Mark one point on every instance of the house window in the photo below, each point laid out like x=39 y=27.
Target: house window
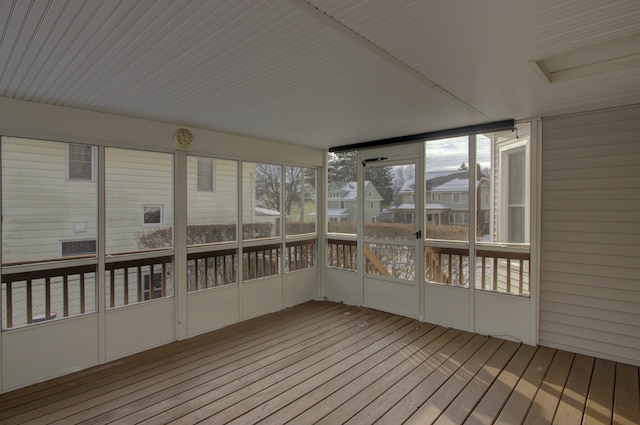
x=429 y=217
x=456 y=198
x=342 y=204
x=205 y=175
x=371 y=205
x=436 y=196
x=77 y=247
x=152 y=214
x=147 y=293
x=516 y=203
x=79 y=162
x=460 y=218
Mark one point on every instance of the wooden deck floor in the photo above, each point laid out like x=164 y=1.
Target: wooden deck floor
x=328 y=363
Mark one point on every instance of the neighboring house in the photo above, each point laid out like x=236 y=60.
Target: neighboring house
x=304 y=210
x=342 y=202
x=405 y=211
x=447 y=198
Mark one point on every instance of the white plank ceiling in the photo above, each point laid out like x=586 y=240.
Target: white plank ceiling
x=319 y=72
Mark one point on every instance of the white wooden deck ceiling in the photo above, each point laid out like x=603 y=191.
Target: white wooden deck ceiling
x=318 y=72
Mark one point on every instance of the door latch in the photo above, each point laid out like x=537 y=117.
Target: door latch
x=418 y=234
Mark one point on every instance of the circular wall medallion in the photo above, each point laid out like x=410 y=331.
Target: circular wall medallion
x=183 y=138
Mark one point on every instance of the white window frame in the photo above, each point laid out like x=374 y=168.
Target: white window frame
x=200 y=175
x=93 y=163
x=145 y=206
x=148 y=284
x=453 y=197
x=504 y=151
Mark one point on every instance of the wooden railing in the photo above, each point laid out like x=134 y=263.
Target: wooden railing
x=447 y=265
x=212 y=268
x=301 y=254
x=341 y=254
x=499 y=271
x=131 y=281
x=506 y=271
x=261 y=261
x=36 y=296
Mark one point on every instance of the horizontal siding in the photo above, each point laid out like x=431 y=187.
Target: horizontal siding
x=590 y=234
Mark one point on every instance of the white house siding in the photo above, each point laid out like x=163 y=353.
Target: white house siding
x=133 y=179
x=219 y=206
x=40 y=206
x=590 y=241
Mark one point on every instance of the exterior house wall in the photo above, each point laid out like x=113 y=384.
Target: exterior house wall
x=590 y=241
x=134 y=179
x=212 y=207
x=37 y=171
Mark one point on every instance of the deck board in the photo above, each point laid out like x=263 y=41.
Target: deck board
x=329 y=363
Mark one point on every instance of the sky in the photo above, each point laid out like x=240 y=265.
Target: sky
x=449 y=154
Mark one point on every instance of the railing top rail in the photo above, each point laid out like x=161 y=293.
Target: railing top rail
x=48 y=261
x=301 y=242
x=258 y=248
x=41 y=274
x=209 y=254
x=348 y=242
x=122 y=263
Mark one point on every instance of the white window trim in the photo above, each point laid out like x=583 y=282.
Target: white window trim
x=504 y=151
x=453 y=201
x=213 y=174
x=161 y=206
x=93 y=163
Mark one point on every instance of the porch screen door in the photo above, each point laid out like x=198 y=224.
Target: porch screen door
x=391 y=240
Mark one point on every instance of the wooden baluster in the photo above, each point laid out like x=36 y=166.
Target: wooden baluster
x=215 y=269
x=352 y=257
x=461 y=271
x=47 y=298
x=65 y=295
x=29 y=302
x=508 y=275
x=233 y=266
x=224 y=270
x=164 y=280
x=495 y=273
x=163 y=292
x=331 y=263
x=126 y=286
x=140 y=288
x=266 y=263
x=9 y=304
x=196 y=279
x=112 y=286
x=299 y=250
x=82 y=293
x=427 y=262
x=521 y=278
x=449 y=279
x=484 y=273
x=344 y=256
